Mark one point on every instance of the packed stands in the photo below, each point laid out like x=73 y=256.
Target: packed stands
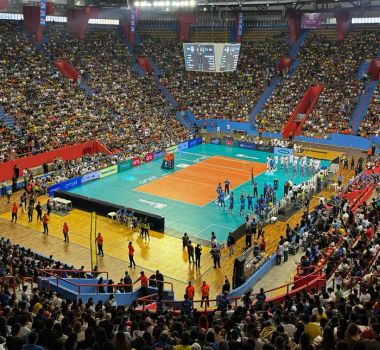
x=371 y=122
x=333 y=64
x=228 y=95
x=342 y=315
x=126 y=112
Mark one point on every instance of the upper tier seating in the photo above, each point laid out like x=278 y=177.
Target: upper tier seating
x=333 y=64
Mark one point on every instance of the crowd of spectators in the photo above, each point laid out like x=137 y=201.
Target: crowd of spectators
x=323 y=61
x=371 y=123
x=126 y=111
x=344 y=315
x=219 y=95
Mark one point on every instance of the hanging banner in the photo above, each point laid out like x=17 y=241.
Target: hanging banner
x=311 y=20
x=240 y=25
x=43 y=13
x=133 y=21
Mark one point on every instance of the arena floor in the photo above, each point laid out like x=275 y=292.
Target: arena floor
x=186 y=195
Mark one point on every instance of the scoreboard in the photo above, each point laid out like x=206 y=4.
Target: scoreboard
x=211 y=57
x=199 y=57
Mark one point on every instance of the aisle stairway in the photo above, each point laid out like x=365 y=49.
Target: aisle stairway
x=362 y=106
x=9 y=122
x=265 y=96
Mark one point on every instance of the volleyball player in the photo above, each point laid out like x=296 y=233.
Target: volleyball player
x=242 y=204
x=232 y=201
x=250 y=202
x=221 y=201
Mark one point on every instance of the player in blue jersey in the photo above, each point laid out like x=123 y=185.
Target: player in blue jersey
x=250 y=202
x=219 y=188
x=242 y=204
x=232 y=202
x=221 y=201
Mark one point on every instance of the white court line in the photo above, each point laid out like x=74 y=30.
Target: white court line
x=207 y=227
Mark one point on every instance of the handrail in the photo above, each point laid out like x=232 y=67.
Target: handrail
x=79 y=285
x=51 y=271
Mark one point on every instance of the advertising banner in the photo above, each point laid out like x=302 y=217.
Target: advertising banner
x=195 y=142
x=136 y=161
x=247 y=145
x=125 y=165
x=311 y=20
x=65 y=185
x=240 y=25
x=280 y=151
x=182 y=146
x=159 y=154
x=215 y=141
x=108 y=171
x=171 y=149
x=149 y=157
x=229 y=142
x=91 y=176
x=43 y=13
x=265 y=148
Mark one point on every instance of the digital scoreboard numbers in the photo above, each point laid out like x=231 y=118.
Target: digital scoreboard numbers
x=230 y=57
x=199 y=57
x=211 y=57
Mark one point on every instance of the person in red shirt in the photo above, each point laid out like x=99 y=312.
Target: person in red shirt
x=131 y=253
x=99 y=242
x=190 y=291
x=14 y=212
x=45 y=221
x=369 y=232
x=144 y=283
x=66 y=232
x=205 y=291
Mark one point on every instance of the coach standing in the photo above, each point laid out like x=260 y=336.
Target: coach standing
x=131 y=254
x=14 y=212
x=99 y=241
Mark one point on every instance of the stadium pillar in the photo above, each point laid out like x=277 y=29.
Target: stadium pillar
x=77 y=20
x=294 y=23
x=342 y=23
x=185 y=20
x=32 y=21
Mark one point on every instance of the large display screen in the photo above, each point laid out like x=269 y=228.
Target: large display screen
x=211 y=57
x=230 y=57
x=199 y=57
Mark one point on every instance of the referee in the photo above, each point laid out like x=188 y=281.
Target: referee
x=227 y=186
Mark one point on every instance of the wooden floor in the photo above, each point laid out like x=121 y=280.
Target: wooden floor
x=162 y=252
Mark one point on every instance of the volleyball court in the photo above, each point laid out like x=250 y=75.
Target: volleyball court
x=196 y=181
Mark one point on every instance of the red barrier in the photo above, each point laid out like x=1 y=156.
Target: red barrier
x=185 y=20
x=66 y=153
x=284 y=62
x=144 y=63
x=66 y=69
x=374 y=69
x=305 y=106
